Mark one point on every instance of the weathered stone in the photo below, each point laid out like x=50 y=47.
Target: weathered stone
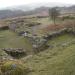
x=17 y=52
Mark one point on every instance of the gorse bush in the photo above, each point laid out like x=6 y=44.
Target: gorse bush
x=14 y=68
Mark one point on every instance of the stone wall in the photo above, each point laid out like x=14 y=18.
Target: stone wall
x=15 y=52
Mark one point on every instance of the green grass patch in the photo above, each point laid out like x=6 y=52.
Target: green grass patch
x=56 y=61
x=9 y=39
x=61 y=39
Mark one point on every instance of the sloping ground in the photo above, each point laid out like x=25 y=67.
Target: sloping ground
x=9 y=39
x=56 y=61
x=63 y=39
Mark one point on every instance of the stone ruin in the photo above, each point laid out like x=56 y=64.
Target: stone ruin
x=38 y=43
x=12 y=26
x=55 y=34
x=15 y=52
x=4 y=28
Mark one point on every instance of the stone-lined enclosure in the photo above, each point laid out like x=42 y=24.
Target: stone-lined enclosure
x=38 y=43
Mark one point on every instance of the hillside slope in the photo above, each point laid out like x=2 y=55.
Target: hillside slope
x=35 y=9
x=56 y=61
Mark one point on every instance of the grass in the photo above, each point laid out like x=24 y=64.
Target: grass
x=9 y=39
x=61 y=39
x=56 y=61
x=14 y=68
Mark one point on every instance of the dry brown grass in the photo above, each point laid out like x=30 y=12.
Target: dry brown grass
x=59 y=26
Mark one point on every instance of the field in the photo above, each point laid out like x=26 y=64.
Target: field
x=57 y=59
x=9 y=39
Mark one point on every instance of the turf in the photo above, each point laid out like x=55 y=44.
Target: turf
x=61 y=39
x=53 y=61
x=9 y=39
x=56 y=61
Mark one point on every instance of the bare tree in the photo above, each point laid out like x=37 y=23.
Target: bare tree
x=53 y=13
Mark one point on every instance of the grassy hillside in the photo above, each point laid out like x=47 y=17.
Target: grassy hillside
x=56 y=61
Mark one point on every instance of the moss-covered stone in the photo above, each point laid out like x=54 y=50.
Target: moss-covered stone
x=14 y=68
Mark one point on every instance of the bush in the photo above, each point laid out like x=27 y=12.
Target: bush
x=14 y=68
